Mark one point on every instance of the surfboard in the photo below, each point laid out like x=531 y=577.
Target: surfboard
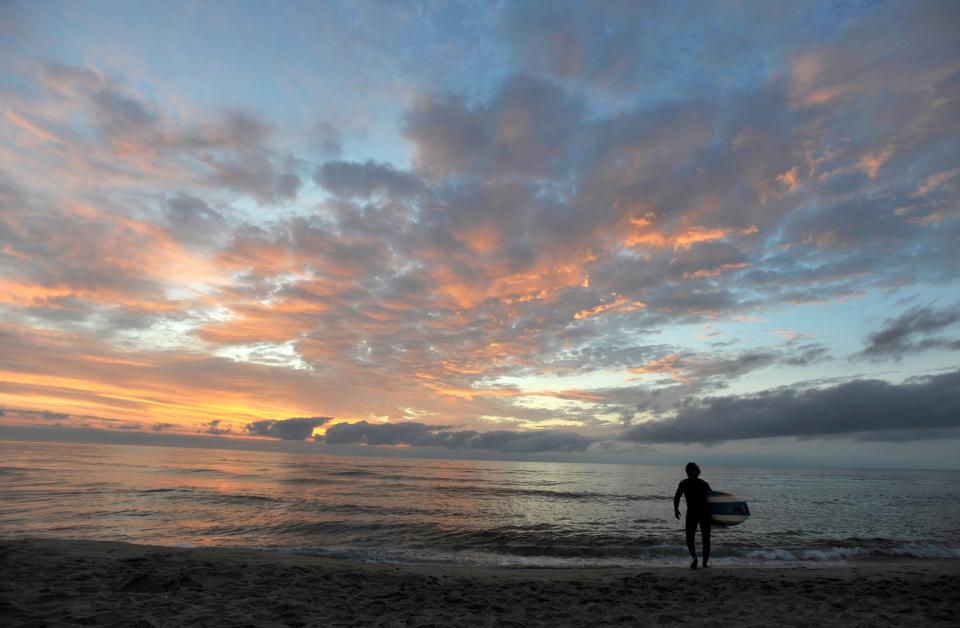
x=726 y=509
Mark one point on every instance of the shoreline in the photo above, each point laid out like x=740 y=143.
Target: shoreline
x=104 y=583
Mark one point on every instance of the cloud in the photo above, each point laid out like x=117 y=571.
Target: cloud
x=888 y=411
x=904 y=334
x=626 y=50
x=379 y=433
x=602 y=46
x=528 y=128
x=705 y=371
x=420 y=435
x=561 y=217
x=44 y=415
x=253 y=172
x=326 y=138
x=213 y=427
x=110 y=131
x=806 y=354
x=299 y=428
x=363 y=180
x=191 y=219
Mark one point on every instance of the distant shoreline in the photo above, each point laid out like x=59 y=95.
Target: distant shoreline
x=102 y=583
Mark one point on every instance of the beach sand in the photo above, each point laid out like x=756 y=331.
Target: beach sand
x=60 y=583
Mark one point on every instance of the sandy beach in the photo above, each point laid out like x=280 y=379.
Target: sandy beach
x=59 y=583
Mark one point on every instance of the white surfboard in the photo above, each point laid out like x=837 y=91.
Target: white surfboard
x=726 y=509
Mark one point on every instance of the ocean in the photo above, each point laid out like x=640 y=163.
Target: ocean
x=514 y=514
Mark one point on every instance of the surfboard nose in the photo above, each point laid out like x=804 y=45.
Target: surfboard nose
x=726 y=509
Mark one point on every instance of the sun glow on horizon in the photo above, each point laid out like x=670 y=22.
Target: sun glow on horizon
x=508 y=217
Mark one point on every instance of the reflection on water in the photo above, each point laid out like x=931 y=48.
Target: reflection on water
x=518 y=513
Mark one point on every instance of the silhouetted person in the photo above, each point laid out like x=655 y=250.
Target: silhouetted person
x=695 y=490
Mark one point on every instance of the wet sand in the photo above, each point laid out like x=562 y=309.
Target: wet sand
x=62 y=583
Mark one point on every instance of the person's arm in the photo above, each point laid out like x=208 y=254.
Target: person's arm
x=676 y=500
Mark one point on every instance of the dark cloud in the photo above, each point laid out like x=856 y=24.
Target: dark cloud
x=889 y=411
x=37 y=414
x=160 y=427
x=255 y=173
x=299 y=428
x=117 y=115
x=806 y=354
x=363 y=180
x=379 y=433
x=528 y=128
x=191 y=219
x=213 y=427
x=46 y=415
x=905 y=333
x=120 y=116
x=421 y=435
x=735 y=366
x=58 y=418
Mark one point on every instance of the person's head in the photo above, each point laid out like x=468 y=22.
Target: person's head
x=693 y=471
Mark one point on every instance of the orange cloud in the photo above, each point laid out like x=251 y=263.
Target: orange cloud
x=570 y=394
x=495 y=281
x=511 y=392
x=871 y=163
x=646 y=235
x=672 y=365
x=31 y=128
x=789 y=179
x=620 y=304
x=715 y=271
x=806 y=80
x=481 y=239
x=934 y=182
x=24 y=294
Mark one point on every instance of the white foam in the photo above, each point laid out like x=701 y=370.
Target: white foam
x=927 y=550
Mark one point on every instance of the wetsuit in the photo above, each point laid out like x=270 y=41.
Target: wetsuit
x=695 y=491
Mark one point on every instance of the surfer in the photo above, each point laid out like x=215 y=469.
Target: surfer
x=695 y=490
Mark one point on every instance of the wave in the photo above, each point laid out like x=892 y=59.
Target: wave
x=840 y=553
x=658 y=555
x=592 y=496
x=457 y=487
x=306 y=480
x=196 y=470
x=298 y=504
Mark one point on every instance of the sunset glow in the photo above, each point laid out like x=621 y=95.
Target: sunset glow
x=409 y=213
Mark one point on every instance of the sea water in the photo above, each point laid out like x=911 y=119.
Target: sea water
x=520 y=514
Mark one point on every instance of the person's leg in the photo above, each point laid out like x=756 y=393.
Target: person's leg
x=691 y=537
x=705 y=533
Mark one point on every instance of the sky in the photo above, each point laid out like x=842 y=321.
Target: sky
x=626 y=231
